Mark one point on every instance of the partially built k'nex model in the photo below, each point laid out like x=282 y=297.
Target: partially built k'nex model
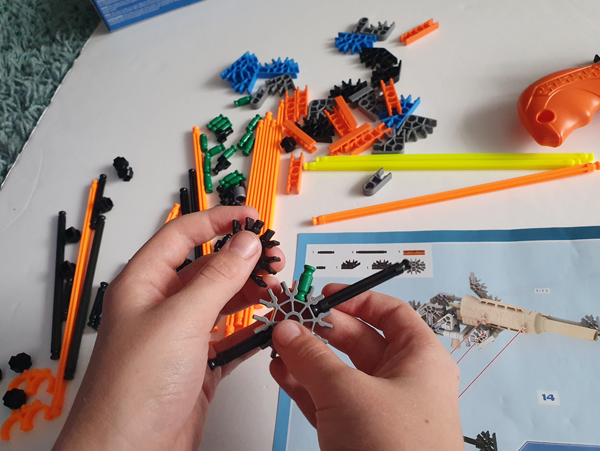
x=479 y=321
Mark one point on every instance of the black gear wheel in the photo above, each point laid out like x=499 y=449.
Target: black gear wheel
x=264 y=262
x=347 y=89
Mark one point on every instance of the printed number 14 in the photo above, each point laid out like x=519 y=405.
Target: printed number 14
x=548 y=397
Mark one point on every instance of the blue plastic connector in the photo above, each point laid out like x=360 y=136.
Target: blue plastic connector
x=354 y=42
x=278 y=67
x=242 y=74
x=408 y=108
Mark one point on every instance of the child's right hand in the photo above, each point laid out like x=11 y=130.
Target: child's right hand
x=403 y=394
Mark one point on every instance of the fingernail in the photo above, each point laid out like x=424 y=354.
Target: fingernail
x=245 y=244
x=286 y=332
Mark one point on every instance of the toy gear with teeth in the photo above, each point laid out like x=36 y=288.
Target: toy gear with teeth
x=292 y=308
x=264 y=262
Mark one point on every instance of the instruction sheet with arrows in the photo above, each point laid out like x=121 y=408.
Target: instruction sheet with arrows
x=541 y=392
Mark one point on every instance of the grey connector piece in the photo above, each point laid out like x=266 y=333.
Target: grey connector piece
x=281 y=84
x=316 y=108
x=371 y=104
x=358 y=95
x=416 y=127
x=382 y=30
x=239 y=194
x=376 y=182
x=259 y=98
x=390 y=144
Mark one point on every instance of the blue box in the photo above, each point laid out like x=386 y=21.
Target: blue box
x=120 y=13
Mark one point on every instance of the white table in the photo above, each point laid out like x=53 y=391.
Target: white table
x=138 y=92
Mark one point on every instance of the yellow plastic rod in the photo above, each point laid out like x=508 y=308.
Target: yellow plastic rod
x=584 y=157
x=458 y=193
x=442 y=165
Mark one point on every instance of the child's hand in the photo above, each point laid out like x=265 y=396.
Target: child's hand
x=403 y=394
x=148 y=385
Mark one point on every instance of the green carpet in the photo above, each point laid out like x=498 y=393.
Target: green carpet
x=39 y=41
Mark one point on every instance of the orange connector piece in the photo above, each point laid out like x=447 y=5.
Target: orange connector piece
x=174 y=213
x=358 y=141
x=418 y=32
x=25 y=416
x=296 y=107
x=391 y=98
x=301 y=138
x=342 y=119
x=295 y=173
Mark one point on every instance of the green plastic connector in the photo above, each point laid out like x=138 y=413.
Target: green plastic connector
x=244 y=139
x=231 y=180
x=203 y=143
x=220 y=123
x=216 y=150
x=305 y=282
x=206 y=164
x=229 y=152
x=208 y=182
x=248 y=147
x=253 y=123
x=211 y=124
x=243 y=101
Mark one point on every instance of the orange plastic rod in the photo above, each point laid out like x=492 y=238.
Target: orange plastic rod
x=558 y=104
x=174 y=212
x=295 y=173
x=202 y=202
x=418 y=32
x=458 y=193
x=303 y=139
x=82 y=260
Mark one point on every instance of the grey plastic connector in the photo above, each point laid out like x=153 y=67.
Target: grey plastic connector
x=316 y=108
x=376 y=182
x=259 y=98
x=281 y=84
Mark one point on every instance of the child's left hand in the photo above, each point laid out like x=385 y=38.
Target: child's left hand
x=148 y=385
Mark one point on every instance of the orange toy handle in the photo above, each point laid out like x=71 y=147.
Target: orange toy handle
x=458 y=193
x=556 y=105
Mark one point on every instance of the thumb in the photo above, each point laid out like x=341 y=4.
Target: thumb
x=310 y=361
x=222 y=276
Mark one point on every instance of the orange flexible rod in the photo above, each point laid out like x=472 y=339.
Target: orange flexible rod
x=82 y=261
x=202 y=202
x=174 y=212
x=458 y=193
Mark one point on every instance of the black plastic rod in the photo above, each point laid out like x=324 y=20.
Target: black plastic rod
x=184 y=201
x=84 y=304
x=97 y=201
x=258 y=340
x=59 y=286
x=359 y=287
x=263 y=338
x=194 y=207
x=96 y=313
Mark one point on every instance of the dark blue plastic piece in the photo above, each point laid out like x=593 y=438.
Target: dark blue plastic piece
x=354 y=42
x=408 y=108
x=243 y=73
x=278 y=67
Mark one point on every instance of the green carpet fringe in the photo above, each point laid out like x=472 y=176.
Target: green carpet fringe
x=39 y=41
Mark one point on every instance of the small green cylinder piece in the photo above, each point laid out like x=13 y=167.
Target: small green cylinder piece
x=253 y=123
x=243 y=101
x=206 y=164
x=203 y=143
x=229 y=152
x=216 y=150
x=208 y=182
x=244 y=139
x=231 y=180
x=248 y=146
x=305 y=282
x=220 y=123
x=211 y=124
